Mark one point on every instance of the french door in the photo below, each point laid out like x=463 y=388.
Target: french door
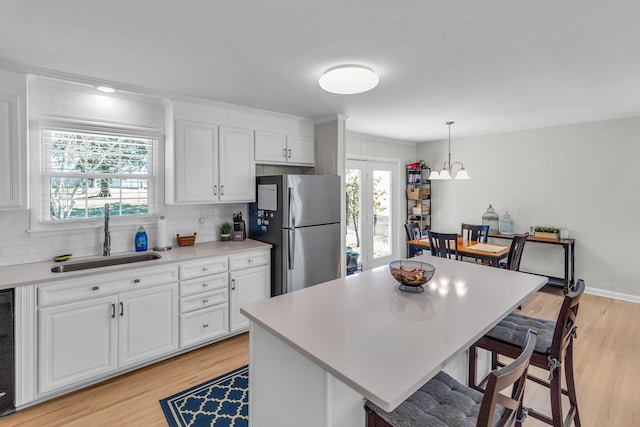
x=371 y=220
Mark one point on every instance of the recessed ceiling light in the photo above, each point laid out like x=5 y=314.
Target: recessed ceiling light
x=105 y=89
x=348 y=79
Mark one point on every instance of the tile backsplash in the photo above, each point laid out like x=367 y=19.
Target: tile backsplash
x=18 y=246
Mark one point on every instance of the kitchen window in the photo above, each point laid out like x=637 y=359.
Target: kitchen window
x=85 y=167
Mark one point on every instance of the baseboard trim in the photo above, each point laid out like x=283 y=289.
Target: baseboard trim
x=614 y=295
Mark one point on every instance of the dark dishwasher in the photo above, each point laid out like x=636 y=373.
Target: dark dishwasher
x=7 y=375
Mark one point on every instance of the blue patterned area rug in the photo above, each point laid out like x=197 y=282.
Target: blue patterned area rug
x=220 y=402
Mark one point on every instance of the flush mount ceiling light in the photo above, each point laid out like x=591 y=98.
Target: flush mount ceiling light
x=105 y=89
x=447 y=169
x=348 y=79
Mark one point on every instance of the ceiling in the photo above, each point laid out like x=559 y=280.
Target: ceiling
x=491 y=66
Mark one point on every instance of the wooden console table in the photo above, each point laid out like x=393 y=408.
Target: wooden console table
x=569 y=255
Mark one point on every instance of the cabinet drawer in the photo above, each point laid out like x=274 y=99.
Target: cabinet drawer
x=104 y=284
x=204 y=325
x=203 y=284
x=203 y=267
x=208 y=299
x=253 y=259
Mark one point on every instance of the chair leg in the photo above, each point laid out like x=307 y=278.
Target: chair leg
x=571 y=386
x=473 y=352
x=494 y=360
x=555 y=388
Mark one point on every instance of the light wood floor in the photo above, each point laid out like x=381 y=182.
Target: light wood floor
x=607 y=360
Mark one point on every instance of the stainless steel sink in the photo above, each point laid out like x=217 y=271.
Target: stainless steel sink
x=104 y=262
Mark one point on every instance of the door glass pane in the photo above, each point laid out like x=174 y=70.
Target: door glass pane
x=353 y=179
x=381 y=213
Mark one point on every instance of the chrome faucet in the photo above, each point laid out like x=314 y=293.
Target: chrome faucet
x=106 y=246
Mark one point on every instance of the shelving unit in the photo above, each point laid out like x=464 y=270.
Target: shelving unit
x=419 y=198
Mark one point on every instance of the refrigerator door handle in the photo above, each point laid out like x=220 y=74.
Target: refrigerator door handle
x=292 y=216
x=291 y=247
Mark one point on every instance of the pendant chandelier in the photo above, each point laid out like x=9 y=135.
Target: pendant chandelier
x=447 y=169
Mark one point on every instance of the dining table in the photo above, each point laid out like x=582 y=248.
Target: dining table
x=481 y=251
x=315 y=354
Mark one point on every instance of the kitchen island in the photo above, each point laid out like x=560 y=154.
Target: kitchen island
x=315 y=354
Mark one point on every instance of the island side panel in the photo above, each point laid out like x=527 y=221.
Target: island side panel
x=287 y=389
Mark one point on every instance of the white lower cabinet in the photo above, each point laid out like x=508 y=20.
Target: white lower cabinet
x=204 y=325
x=204 y=304
x=95 y=326
x=77 y=342
x=83 y=340
x=147 y=324
x=247 y=285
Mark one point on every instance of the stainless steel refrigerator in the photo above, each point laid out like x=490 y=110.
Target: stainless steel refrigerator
x=300 y=216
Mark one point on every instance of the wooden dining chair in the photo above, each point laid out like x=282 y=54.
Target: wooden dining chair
x=413 y=233
x=443 y=401
x=553 y=353
x=413 y=230
x=474 y=233
x=515 y=253
x=444 y=245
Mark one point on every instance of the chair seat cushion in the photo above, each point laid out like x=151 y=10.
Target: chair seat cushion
x=513 y=330
x=441 y=402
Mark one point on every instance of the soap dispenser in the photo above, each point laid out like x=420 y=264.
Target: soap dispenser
x=141 y=240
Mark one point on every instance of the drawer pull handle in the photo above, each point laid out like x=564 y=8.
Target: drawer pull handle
x=121 y=309
x=250 y=260
x=205 y=325
x=204 y=285
x=136 y=280
x=233 y=284
x=204 y=301
x=113 y=311
x=95 y=288
x=205 y=268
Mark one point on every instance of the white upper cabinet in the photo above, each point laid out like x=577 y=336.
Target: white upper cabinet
x=13 y=90
x=237 y=171
x=196 y=162
x=300 y=151
x=212 y=164
x=279 y=148
x=271 y=147
x=211 y=150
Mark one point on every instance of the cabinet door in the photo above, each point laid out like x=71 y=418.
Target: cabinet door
x=300 y=151
x=147 y=324
x=196 y=162
x=9 y=153
x=271 y=147
x=237 y=170
x=76 y=342
x=247 y=286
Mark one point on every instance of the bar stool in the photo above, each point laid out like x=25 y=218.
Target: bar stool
x=553 y=352
x=444 y=401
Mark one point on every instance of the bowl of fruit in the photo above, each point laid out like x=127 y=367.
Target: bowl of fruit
x=411 y=274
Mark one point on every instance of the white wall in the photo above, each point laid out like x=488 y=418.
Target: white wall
x=551 y=176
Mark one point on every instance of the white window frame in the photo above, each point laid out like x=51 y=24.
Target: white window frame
x=40 y=187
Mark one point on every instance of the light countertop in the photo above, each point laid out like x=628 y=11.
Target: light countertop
x=385 y=343
x=40 y=272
